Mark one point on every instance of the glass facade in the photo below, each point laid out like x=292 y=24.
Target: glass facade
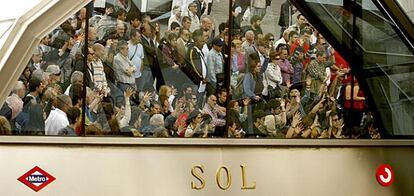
x=236 y=69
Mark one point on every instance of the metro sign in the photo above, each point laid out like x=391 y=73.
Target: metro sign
x=36 y=179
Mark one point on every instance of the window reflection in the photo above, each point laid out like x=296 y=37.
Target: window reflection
x=153 y=77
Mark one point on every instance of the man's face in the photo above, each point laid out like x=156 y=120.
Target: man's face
x=257 y=23
x=120 y=30
x=37 y=58
x=306 y=37
x=147 y=30
x=124 y=50
x=206 y=25
x=199 y=42
x=122 y=17
x=187 y=24
x=212 y=101
x=301 y=20
x=156 y=109
x=218 y=48
x=176 y=30
x=193 y=8
x=135 y=23
x=185 y=35
x=264 y=50
x=294 y=38
x=322 y=59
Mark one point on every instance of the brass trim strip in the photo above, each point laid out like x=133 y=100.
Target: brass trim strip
x=127 y=141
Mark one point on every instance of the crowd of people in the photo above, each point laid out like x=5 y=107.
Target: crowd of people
x=144 y=82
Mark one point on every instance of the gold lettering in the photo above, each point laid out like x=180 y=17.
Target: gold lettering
x=218 y=177
x=244 y=181
x=198 y=176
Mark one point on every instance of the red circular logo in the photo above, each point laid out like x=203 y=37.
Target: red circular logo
x=385 y=175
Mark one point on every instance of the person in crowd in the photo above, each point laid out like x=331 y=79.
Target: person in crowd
x=253 y=80
x=237 y=16
x=175 y=29
x=99 y=77
x=208 y=27
x=124 y=69
x=300 y=19
x=35 y=62
x=171 y=60
x=186 y=23
x=298 y=67
x=272 y=77
x=151 y=70
x=136 y=56
x=5 y=128
x=15 y=100
x=192 y=14
x=283 y=40
x=259 y=7
x=54 y=74
x=194 y=125
x=249 y=42
x=217 y=114
x=270 y=38
x=258 y=127
x=182 y=42
x=134 y=20
x=286 y=68
x=58 y=118
x=175 y=16
x=254 y=26
x=215 y=65
x=261 y=51
x=354 y=103
x=73 y=114
x=238 y=58
x=276 y=120
x=196 y=70
x=316 y=72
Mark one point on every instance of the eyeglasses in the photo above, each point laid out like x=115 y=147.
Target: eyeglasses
x=271 y=39
x=335 y=119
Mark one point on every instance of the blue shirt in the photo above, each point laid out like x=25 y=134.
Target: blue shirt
x=136 y=55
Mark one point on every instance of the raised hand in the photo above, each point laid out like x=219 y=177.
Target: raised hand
x=129 y=92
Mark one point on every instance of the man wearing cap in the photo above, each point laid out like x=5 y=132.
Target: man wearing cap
x=215 y=64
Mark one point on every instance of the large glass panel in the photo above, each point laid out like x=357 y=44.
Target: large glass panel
x=387 y=62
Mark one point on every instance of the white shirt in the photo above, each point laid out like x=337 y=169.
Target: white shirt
x=56 y=121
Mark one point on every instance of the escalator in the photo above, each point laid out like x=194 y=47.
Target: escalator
x=376 y=37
